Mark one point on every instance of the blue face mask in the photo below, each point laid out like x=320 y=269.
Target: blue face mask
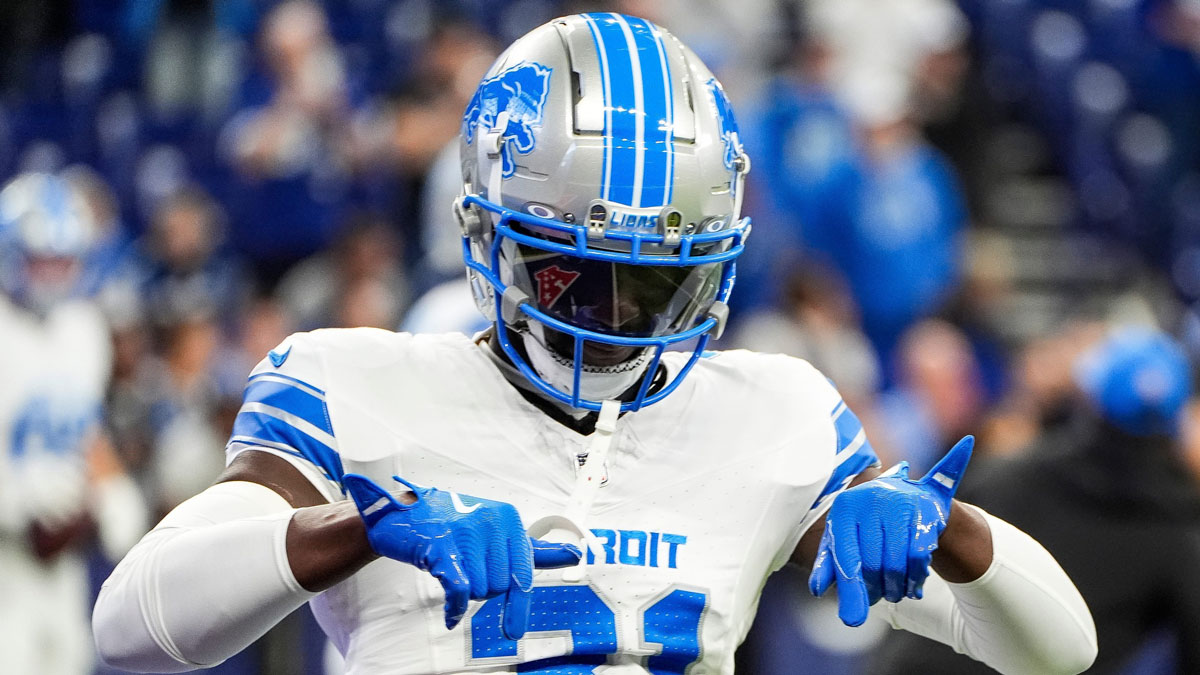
x=603 y=306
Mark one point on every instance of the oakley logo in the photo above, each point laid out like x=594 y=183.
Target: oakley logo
x=459 y=506
x=521 y=91
x=552 y=282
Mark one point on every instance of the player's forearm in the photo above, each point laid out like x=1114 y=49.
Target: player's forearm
x=326 y=544
x=1023 y=615
x=964 y=550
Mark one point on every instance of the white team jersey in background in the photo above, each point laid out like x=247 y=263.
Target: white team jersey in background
x=706 y=493
x=55 y=371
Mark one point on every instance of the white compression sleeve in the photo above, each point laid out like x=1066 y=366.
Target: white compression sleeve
x=211 y=578
x=1022 y=616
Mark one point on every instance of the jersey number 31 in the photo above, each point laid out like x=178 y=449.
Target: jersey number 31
x=669 y=632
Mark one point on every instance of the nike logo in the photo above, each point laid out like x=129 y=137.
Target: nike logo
x=277 y=359
x=460 y=506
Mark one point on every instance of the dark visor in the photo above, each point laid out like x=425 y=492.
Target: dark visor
x=614 y=298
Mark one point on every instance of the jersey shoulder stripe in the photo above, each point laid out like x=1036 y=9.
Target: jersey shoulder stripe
x=853 y=451
x=288 y=414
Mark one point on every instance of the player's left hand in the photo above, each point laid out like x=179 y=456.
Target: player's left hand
x=880 y=536
x=476 y=548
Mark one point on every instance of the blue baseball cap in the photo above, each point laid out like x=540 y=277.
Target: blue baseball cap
x=1138 y=378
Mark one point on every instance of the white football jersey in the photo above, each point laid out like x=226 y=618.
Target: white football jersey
x=705 y=494
x=56 y=369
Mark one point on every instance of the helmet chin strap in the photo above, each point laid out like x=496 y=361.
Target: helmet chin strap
x=594 y=384
x=572 y=524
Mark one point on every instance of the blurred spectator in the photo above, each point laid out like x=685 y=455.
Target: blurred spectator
x=1109 y=496
x=358 y=282
x=264 y=324
x=801 y=140
x=190 y=48
x=818 y=323
x=185 y=267
x=60 y=480
x=291 y=145
x=895 y=230
x=938 y=397
x=847 y=168
x=422 y=125
x=111 y=260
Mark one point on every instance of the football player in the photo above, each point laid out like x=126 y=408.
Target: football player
x=59 y=479
x=602 y=185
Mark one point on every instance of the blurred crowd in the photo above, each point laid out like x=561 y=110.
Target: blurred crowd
x=953 y=203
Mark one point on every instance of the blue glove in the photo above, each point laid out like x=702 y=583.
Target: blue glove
x=880 y=536
x=476 y=548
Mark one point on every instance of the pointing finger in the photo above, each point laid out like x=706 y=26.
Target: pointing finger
x=822 y=576
x=920 y=554
x=853 y=601
x=515 y=613
x=454 y=582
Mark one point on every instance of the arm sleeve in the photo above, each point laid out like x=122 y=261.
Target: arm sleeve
x=211 y=578
x=1022 y=616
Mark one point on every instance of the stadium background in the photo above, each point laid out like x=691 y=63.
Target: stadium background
x=951 y=201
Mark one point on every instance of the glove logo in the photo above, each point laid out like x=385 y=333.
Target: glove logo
x=521 y=92
x=460 y=506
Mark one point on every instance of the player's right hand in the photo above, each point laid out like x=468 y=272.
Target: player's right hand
x=476 y=548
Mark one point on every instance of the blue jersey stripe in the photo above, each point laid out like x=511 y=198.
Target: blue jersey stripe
x=853 y=451
x=622 y=107
x=260 y=426
x=602 y=57
x=291 y=399
x=281 y=376
x=846 y=423
x=656 y=137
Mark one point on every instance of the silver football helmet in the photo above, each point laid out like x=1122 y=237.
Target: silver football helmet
x=45 y=230
x=602 y=186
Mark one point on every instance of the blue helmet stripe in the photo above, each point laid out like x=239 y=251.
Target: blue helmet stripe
x=638 y=112
x=655 y=146
x=622 y=110
x=602 y=57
